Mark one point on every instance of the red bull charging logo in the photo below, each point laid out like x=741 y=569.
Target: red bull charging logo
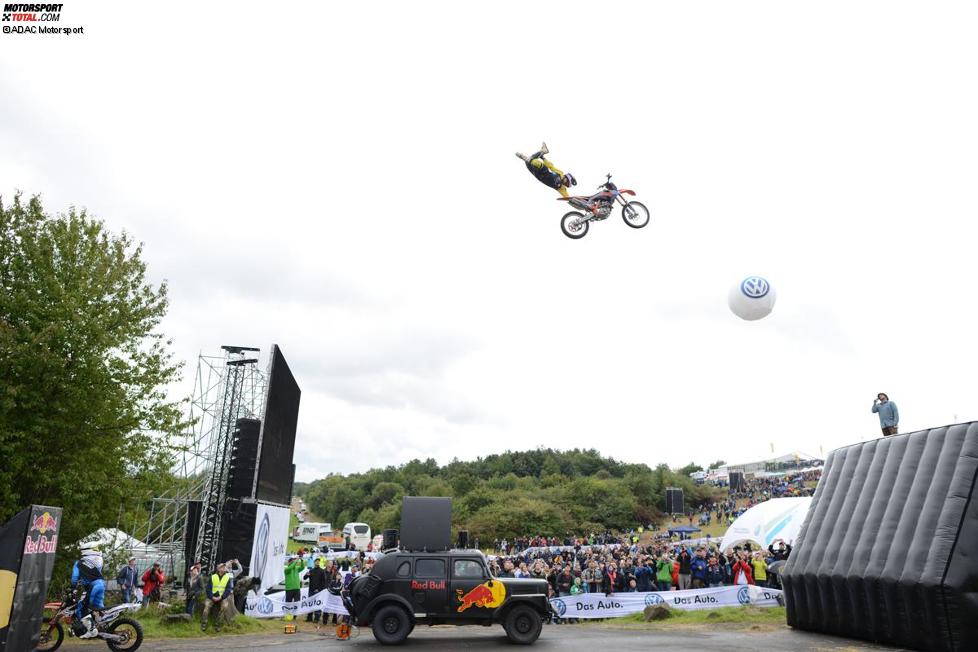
x=488 y=595
x=43 y=523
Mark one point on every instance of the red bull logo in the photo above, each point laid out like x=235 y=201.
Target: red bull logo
x=487 y=595
x=47 y=541
x=43 y=523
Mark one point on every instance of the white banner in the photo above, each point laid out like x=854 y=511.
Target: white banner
x=275 y=606
x=268 y=549
x=597 y=605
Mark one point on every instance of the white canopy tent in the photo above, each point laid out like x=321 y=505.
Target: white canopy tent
x=778 y=518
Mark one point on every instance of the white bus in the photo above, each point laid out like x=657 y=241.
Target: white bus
x=357 y=534
x=309 y=532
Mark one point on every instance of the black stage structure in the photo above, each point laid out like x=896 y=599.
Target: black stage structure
x=251 y=464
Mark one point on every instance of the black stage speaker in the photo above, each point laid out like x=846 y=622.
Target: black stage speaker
x=426 y=523
x=675 y=503
x=244 y=456
x=889 y=549
x=277 y=440
x=737 y=482
x=237 y=532
x=390 y=540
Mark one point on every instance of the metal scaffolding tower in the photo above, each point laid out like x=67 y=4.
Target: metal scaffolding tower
x=237 y=368
x=226 y=388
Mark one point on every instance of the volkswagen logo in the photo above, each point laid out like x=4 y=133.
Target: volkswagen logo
x=755 y=287
x=265 y=606
x=560 y=607
x=261 y=547
x=743 y=595
x=653 y=598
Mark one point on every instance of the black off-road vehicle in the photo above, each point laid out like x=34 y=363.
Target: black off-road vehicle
x=453 y=587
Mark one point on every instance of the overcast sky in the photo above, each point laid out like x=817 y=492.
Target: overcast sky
x=339 y=179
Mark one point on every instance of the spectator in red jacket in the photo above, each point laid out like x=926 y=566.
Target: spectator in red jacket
x=153 y=579
x=741 y=570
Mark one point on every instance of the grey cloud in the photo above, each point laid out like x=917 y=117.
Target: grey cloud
x=396 y=370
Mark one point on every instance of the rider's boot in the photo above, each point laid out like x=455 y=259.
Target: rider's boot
x=544 y=149
x=89 y=623
x=522 y=157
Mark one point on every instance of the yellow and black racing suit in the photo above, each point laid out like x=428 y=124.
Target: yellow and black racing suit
x=546 y=173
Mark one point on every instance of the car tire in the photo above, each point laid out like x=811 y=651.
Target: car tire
x=391 y=625
x=523 y=625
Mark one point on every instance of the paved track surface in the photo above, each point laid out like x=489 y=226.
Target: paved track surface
x=562 y=638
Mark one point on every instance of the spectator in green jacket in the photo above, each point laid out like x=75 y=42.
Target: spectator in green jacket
x=663 y=573
x=294 y=566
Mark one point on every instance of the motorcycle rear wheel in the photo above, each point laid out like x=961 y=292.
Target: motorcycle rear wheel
x=635 y=214
x=574 y=225
x=52 y=636
x=130 y=628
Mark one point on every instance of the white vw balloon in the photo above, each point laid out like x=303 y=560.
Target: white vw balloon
x=753 y=298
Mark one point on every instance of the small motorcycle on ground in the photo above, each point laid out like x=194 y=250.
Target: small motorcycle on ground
x=598 y=207
x=121 y=634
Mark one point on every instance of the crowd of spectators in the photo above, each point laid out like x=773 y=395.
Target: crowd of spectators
x=622 y=565
x=754 y=491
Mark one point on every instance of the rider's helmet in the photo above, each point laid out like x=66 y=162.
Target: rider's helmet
x=569 y=180
x=88 y=545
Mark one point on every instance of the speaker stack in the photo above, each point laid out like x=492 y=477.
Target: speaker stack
x=674 y=501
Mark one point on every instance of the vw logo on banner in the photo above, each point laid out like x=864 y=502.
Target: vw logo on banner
x=265 y=606
x=755 y=287
x=261 y=547
x=743 y=595
x=560 y=607
x=653 y=598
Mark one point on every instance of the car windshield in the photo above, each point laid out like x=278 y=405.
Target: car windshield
x=360 y=529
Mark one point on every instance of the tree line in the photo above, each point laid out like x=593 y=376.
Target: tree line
x=536 y=492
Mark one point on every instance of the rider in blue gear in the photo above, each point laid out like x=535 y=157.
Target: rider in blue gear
x=86 y=575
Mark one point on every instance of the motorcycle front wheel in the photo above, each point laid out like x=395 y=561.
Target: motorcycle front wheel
x=574 y=225
x=52 y=636
x=635 y=214
x=130 y=630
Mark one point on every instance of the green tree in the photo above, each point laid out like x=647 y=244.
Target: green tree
x=84 y=417
x=716 y=465
x=689 y=468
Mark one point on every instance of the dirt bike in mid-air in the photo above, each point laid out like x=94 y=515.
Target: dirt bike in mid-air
x=598 y=207
x=120 y=634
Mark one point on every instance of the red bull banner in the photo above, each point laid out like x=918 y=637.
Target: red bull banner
x=28 y=543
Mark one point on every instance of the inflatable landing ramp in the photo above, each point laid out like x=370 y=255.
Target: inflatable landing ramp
x=889 y=548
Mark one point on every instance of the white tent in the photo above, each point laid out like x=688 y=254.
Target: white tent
x=115 y=539
x=778 y=518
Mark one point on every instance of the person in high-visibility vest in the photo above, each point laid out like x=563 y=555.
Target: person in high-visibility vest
x=218 y=588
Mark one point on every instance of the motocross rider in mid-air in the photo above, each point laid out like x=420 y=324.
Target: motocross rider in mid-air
x=86 y=575
x=546 y=172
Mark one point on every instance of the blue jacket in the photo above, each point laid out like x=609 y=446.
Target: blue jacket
x=888 y=413
x=643 y=579
x=714 y=575
x=126 y=577
x=698 y=568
